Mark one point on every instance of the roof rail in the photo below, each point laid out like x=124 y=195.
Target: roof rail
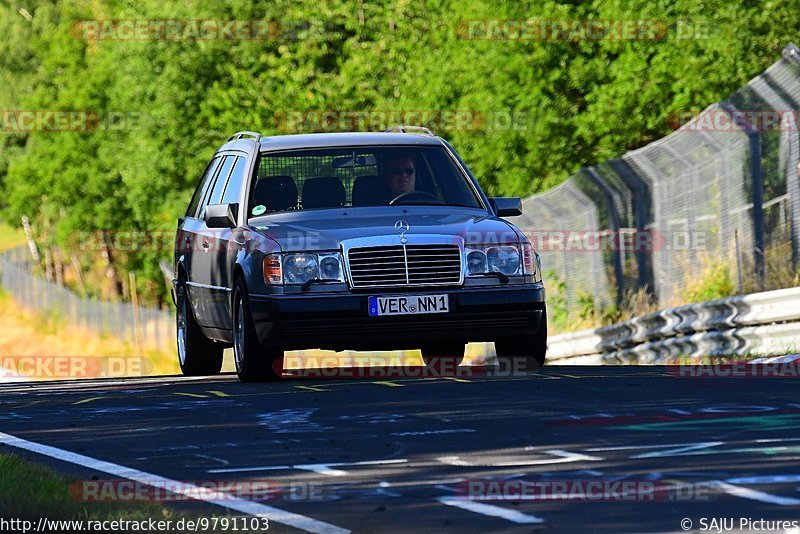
x=410 y=129
x=239 y=135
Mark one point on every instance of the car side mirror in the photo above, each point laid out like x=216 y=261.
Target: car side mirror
x=507 y=206
x=222 y=215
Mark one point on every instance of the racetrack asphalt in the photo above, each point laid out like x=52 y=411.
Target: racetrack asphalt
x=450 y=454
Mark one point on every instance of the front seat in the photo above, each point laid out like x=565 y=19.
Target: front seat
x=370 y=191
x=276 y=193
x=323 y=192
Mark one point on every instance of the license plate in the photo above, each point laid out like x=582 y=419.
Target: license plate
x=408 y=305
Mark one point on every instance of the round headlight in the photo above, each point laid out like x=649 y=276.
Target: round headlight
x=476 y=262
x=300 y=268
x=505 y=260
x=329 y=268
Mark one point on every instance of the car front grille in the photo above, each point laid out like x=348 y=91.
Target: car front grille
x=404 y=265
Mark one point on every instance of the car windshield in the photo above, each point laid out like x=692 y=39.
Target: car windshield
x=358 y=176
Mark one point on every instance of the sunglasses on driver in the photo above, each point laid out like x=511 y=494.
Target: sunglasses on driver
x=399 y=170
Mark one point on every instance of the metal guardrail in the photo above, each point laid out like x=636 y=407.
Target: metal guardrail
x=763 y=323
x=760 y=323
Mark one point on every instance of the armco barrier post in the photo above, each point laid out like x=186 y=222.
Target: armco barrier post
x=598 y=180
x=757 y=174
x=792 y=54
x=134 y=305
x=795 y=225
x=641 y=216
x=758 y=204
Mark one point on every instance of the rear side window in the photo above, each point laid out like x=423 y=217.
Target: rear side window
x=231 y=194
x=202 y=187
x=219 y=184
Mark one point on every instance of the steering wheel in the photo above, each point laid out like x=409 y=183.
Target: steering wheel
x=414 y=197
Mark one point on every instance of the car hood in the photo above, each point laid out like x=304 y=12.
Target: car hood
x=326 y=229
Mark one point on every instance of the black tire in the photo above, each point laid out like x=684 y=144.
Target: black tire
x=443 y=355
x=197 y=355
x=523 y=353
x=254 y=363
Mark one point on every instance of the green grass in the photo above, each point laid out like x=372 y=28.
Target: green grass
x=710 y=278
x=10 y=236
x=29 y=491
x=685 y=359
x=713 y=282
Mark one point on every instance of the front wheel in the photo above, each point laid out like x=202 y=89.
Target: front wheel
x=197 y=355
x=523 y=353
x=253 y=362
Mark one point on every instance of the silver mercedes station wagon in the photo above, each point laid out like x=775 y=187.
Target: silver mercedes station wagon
x=361 y=241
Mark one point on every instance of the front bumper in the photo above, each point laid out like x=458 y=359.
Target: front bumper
x=342 y=321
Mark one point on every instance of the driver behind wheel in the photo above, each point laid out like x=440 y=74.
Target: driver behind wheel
x=401 y=174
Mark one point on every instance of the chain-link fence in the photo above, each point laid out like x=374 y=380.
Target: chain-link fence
x=141 y=326
x=722 y=190
x=561 y=217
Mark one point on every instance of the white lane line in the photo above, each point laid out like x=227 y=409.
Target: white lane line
x=766 y=479
x=491 y=510
x=248 y=469
x=633 y=447
x=572 y=456
x=195 y=492
x=322 y=469
x=755 y=495
x=563 y=457
x=777 y=359
x=697 y=448
x=688 y=446
x=454 y=460
x=7 y=376
x=432 y=432
x=325 y=469
x=95 y=383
